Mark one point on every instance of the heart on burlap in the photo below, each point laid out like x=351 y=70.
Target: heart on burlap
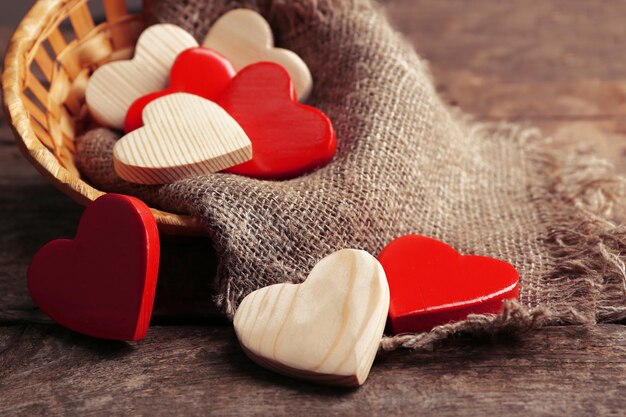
x=198 y=71
x=432 y=284
x=288 y=138
x=404 y=164
x=114 y=86
x=254 y=44
x=184 y=136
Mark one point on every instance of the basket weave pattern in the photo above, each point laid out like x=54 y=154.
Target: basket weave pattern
x=47 y=65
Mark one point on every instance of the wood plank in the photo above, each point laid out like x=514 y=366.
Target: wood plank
x=201 y=370
x=510 y=41
x=562 y=68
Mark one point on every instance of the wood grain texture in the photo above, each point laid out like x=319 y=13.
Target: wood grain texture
x=560 y=68
x=326 y=329
x=115 y=86
x=200 y=71
x=244 y=37
x=184 y=135
x=571 y=371
x=469 y=46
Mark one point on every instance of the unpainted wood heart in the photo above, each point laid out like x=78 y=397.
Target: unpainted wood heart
x=200 y=71
x=115 y=86
x=184 y=135
x=244 y=37
x=326 y=329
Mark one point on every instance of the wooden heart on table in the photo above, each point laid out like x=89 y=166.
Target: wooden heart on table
x=244 y=37
x=288 y=138
x=184 y=136
x=432 y=284
x=101 y=283
x=326 y=329
x=115 y=86
x=198 y=71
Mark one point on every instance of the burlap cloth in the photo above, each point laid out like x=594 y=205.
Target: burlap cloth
x=405 y=164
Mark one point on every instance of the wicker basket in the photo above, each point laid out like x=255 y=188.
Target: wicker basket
x=48 y=62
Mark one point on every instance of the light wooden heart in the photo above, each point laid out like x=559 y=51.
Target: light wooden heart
x=115 y=86
x=244 y=37
x=327 y=329
x=184 y=135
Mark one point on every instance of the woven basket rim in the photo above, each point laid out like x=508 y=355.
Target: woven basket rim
x=15 y=68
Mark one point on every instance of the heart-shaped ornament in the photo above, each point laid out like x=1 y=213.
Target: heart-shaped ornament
x=115 y=86
x=244 y=37
x=198 y=71
x=102 y=283
x=326 y=329
x=432 y=284
x=184 y=136
x=288 y=138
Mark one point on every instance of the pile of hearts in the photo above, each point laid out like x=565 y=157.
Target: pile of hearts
x=230 y=105
x=327 y=329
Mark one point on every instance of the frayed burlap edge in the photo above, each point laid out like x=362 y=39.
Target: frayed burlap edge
x=589 y=248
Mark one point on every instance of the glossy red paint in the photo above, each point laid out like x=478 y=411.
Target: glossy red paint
x=288 y=138
x=200 y=71
x=101 y=283
x=431 y=284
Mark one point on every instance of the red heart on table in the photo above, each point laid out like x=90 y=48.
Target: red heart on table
x=288 y=138
x=199 y=71
x=102 y=283
x=431 y=284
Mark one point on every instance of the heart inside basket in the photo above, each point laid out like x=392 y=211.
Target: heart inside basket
x=48 y=62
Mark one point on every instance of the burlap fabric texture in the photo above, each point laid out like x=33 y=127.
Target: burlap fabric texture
x=405 y=164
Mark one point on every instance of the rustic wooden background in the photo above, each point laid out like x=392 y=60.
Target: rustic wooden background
x=559 y=65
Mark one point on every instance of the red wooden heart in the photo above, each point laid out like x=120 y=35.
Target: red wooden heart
x=431 y=284
x=288 y=138
x=200 y=71
x=102 y=283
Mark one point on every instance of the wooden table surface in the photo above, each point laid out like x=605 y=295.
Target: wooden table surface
x=558 y=65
